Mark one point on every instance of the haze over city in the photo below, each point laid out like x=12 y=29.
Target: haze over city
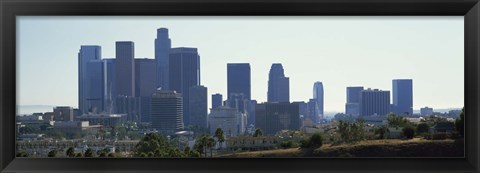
x=338 y=51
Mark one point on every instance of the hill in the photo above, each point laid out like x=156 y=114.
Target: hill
x=371 y=148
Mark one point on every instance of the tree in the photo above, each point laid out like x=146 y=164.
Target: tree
x=460 y=123
x=396 y=121
x=381 y=131
x=22 y=154
x=210 y=144
x=89 y=153
x=79 y=155
x=52 y=153
x=258 y=132
x=422 y=128
x=70 y=152
x=219 y=135
x=408 y=132
x=351 y=132
x=156 y=145
x=314 y=141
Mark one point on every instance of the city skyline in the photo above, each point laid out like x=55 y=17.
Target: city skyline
x=300 y=88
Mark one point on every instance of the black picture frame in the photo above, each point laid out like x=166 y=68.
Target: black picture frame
x=9 y=9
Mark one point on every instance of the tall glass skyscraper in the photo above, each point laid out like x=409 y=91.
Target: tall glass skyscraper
x=184 y=72
x=318 y=96
x=95 y=87
x=163 y=45
x=125 y=68
x=85 y=55
x=278 y=84
x=110 y=82
x=402 y=92
x=238 y=79
x=198 y=106
x=145 y=85
x=352 y=107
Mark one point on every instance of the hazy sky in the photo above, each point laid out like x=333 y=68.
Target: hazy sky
x=338 y=51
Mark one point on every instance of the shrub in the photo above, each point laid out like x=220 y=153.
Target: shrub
x=408 y=132
x=422 y=128
x=439 y=136
x=314 y=141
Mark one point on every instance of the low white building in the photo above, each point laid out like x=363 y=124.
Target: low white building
x=228 y=119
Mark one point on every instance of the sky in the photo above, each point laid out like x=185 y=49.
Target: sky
x=338 y=51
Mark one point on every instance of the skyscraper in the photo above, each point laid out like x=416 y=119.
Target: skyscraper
x=228 y=119
x=402 y=92
x=352 y=107
x=216 y=100
x=238 y=79
x=163 y=45
x=95 y=87
x=312 y=112
x=374 y=102
x=145 y=85
x=198 y=103
x=85 y=55
x=125 y=68
x=167 y=111
x=278 y=84
x=110 y=83
x=184 y=72
x=318 y=96
x=273 y=117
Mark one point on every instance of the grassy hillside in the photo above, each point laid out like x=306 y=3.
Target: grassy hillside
x=371 y=148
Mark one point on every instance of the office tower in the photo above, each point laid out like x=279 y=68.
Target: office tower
x=162 y=50
x=374 y=102
x=110 y=83
x=312 y=113
x=402 y=93
x=167 y=111
x=278 y=84
x=238 y=79
x=352 y=107
x=85 y=55
x=228 y=119
x=238 y=101
x=216 y=100
x=273 y=117
x=130 y=106
x=318 y=96
x=125 y=68
x=251 y=113
x=63 y=113
x=95 y=86
x=302 y=108
x=184 y=72
x=426 y=111
x=198 y=103
x=145 y=85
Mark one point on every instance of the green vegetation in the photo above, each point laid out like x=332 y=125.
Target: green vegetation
x=396 y=121
x=422 y=128
x=258 y=132
x=89 y=153
x=219 y=135
x=52 y=153
x=381 y=131
x=408 y=132
x=22 y=154
x=312 y=142
x=203 y=144
x=70 y=152
x=460 y=123
x=351 y=132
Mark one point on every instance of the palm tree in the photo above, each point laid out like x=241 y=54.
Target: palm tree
x=210 y=144
x=219 y=135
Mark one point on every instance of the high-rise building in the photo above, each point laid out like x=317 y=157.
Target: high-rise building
x=167 y=111
x=125 y=68
x=109 y=84
x=216 y=100
x=278 y=84
x=318 y=96
x=163 y=45
x=63 y=113
x=228 y=119
x=145 y=86
x=374 y=102
x=402 y=93
x=95 y=88
x=273 y=117
x=238 y=79
x=302 y=108
x=130 y=106
x=198 y=103
x=251 y=112
x=352 y=107
x=312 y=112
x=85 y=55
x=184 y=72
x=426 y=111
